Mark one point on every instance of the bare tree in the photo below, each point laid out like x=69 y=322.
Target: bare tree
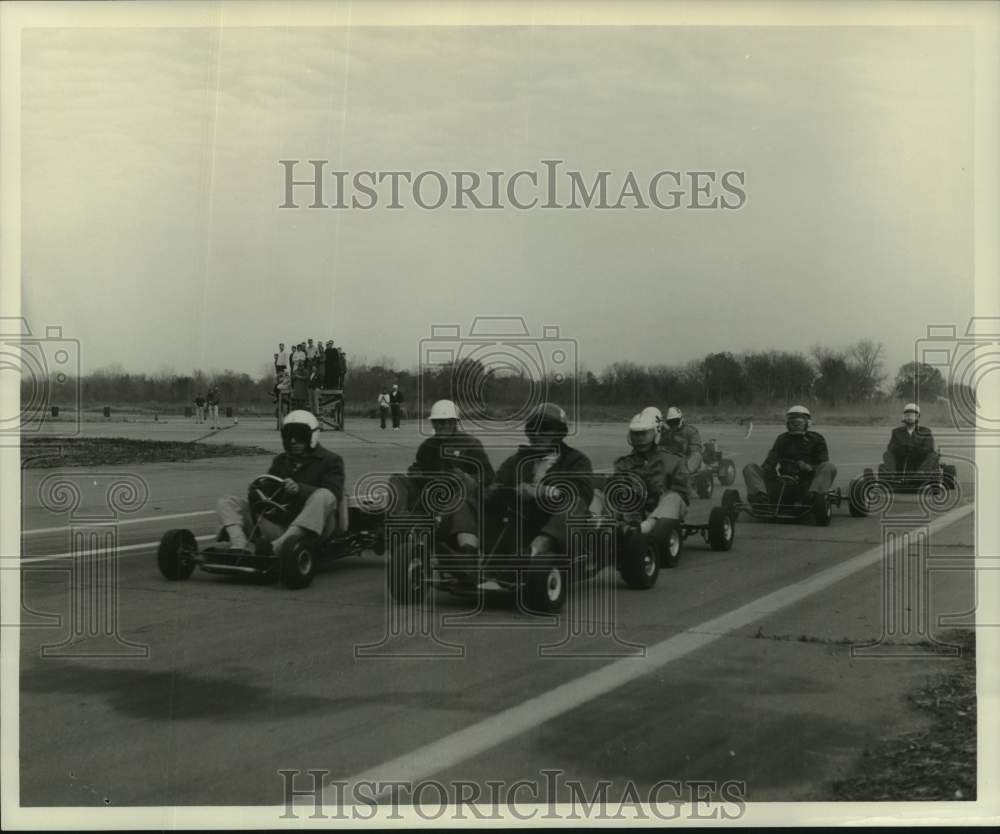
x=866 y=361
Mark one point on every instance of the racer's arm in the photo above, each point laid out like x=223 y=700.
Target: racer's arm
x=678 y=481
x=895 y=446
x=478 y=453
x=581 y=472
x=694 y=442
x=770 y=464
x=820 y=454
x=331 y=478
x=926 y=441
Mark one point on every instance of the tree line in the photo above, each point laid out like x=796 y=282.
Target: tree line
x=831 y=376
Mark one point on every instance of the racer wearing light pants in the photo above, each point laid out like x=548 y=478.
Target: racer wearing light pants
x=807 y=449
x=911 y=446
x=314 y=480
x=460 y=456
x=681 y=439
x=662 y=473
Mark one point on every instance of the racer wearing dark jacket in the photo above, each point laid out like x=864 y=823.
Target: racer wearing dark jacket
x=316 y=468
x=799 y=449
x=910 y=450
x=546 y=483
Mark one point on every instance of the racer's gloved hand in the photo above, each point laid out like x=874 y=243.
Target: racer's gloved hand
x=647 y=526
x=805 y=467
x=291 y=486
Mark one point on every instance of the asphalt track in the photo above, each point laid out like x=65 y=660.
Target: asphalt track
x=737 y=667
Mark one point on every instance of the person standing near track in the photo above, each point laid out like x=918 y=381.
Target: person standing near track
x=383 y=408
x=280 y=360
x=213 y=406
x=396 y=405
x=199 y=408
x=331 y=366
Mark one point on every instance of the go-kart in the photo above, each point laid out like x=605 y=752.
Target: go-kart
x=543 y=580
x=941 y=479
x=713 y=465
x=295 y=563
x=788 y=501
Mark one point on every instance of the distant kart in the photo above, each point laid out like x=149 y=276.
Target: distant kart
x=789 y=504
x=542 y=581
x=938 y=481
x=294 y=564
x=713 y=465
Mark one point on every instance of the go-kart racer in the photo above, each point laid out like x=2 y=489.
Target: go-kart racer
x=313 y=486
x=799 y=449
x=451 y=451
x=682 y=439
x=911 y=446
x=663 y=473
x=534 y=478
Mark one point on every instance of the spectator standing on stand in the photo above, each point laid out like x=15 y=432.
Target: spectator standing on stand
x=383 y=407
x=280 y=360
x=396 y=405
x=332 y=365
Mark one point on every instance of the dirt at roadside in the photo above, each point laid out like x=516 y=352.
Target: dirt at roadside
x=938 y=763
x=111 y=451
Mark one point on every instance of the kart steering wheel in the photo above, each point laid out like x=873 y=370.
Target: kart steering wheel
x=267 y=499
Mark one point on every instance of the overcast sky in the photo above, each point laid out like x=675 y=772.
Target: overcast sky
x=151 y=185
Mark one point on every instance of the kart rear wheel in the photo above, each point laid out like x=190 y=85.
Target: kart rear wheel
x=857 y=501
x=297 y=563
x=704 y=485
x=409 y=570
x=640 y=566
x=949 y=476
x=175 y=554
x=670 y=542
x=727 y=472
x=545 y=589
x=822 y=511
x=721 y=529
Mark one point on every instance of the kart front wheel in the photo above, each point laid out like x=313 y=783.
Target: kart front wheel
x=409 y=570
x=730 y=498
x=297 y=563
x=727 y=472
x=175 y=556
x=640 y=565
x=668 y=536
x=545 y=589
x=822 y=511
x=721 y=529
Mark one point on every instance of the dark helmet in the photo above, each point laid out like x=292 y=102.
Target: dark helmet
x=547 y=420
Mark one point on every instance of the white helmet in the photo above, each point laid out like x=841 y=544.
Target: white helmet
x=798 y=410
x=642 y=428
x=444 y=410
x=300 y=424
x=674 y=413
x=652 y=411
x=912 y=407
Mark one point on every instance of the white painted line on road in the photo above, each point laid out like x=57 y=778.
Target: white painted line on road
x=476 y=739
x=144 y=520
x=31 y=560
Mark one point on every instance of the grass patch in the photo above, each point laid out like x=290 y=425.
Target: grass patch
x=936 y=764
x=37 y=453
